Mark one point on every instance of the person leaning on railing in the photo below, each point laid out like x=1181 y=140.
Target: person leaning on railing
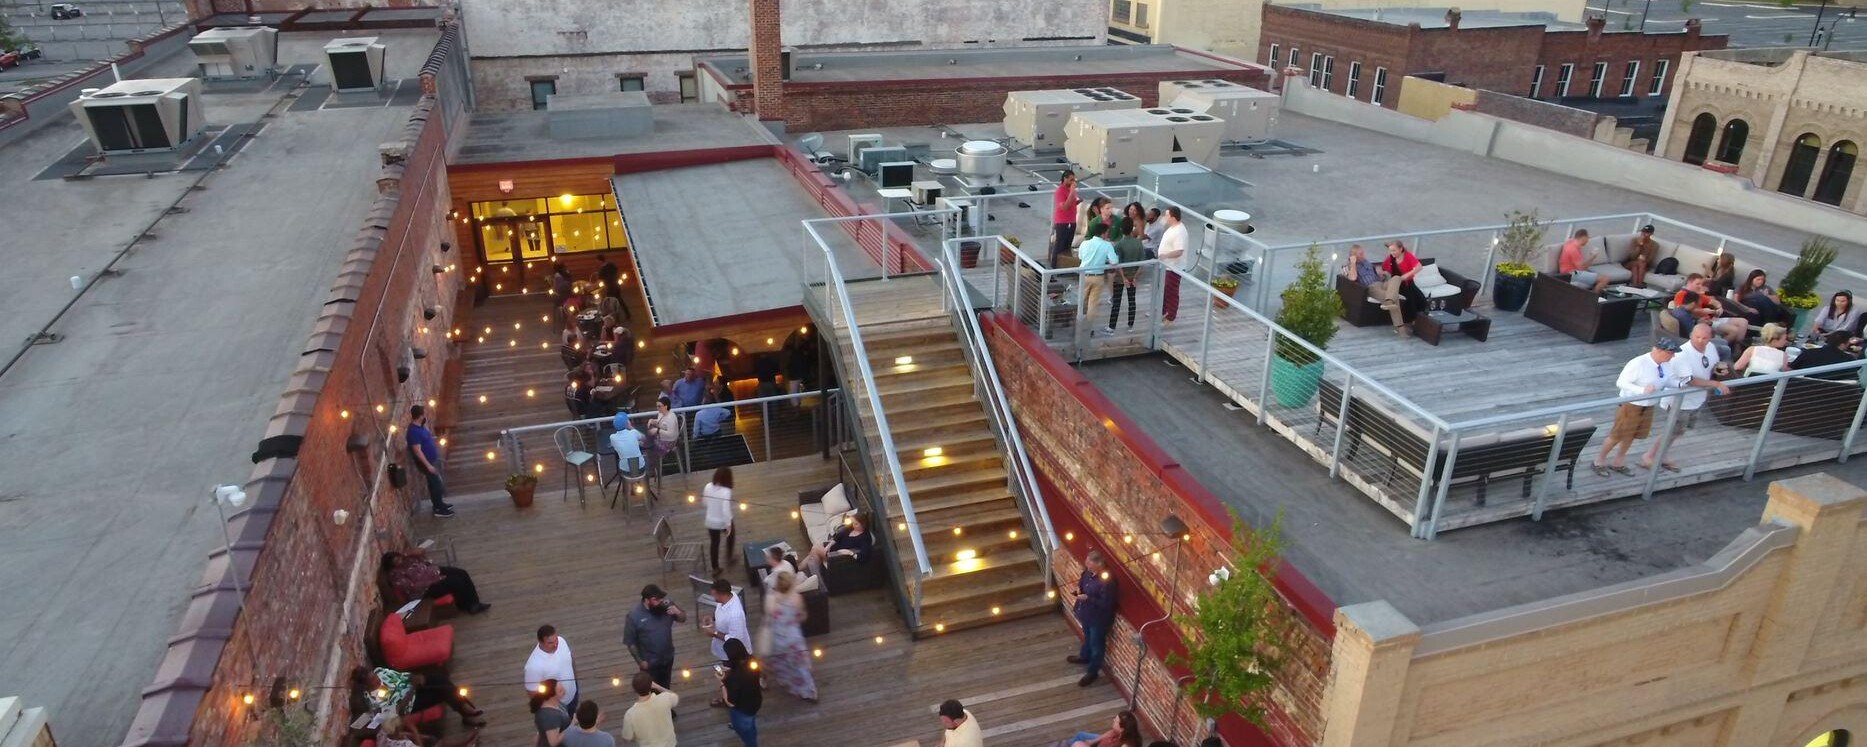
x=1128 y=248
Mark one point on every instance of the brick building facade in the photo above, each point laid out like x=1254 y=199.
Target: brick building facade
x=1365 y=59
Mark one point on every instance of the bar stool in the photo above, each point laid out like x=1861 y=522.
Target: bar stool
x=570 y=444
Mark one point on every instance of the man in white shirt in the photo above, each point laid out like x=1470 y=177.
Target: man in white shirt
x=962 y=730
x=1096 y=253
x=1645 y=374
x=1173 y=252
x=551 y=660
x=729 y=619
x=1697 y=361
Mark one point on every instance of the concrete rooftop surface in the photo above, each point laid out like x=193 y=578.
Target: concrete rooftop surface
x=1435 y=18
x=525 y=135
x=1358 y=552
x=166 y=374
x=724 y=239
x=989 y=62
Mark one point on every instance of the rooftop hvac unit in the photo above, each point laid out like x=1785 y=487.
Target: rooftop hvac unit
x=355 y=64
x=1249 y=114
x=1117 y=143
x=858 y=142
x=1035 y=119
x=141 y=116
x=925 y=192
x=871 y=159
x=230 y=53
x=895 y=175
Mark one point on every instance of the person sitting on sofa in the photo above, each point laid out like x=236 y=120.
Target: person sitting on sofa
x=777 y=562
x=1570 y=260
x=1712 y=311
x=1757 y=294
x=1642 y=254
x=1768 y=356
x=414 y=577
x=1839 y=315
x=1387 y=291
x=1401 y=265
x=851 y=539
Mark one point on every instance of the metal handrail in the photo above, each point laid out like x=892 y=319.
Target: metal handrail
x=867 y=376
x=1757 y=380
x=516 y=458
x=986 y=370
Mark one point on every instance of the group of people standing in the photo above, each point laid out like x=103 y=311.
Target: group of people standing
x=1108 y=240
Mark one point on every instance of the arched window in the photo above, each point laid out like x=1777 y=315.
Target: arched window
x=1801 y=164
x=1837 y=172
x=1731 y=145
x=1836 y=738
x=1698 y=144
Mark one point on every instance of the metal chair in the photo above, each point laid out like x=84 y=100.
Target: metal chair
x=570 y=444
x=631 y=480
x=673 y=553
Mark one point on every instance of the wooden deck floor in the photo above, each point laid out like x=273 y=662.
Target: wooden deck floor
x=582 y=569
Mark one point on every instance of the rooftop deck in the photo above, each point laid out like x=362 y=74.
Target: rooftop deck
x=1357 y=552
x=582 y=569
x=166 y=374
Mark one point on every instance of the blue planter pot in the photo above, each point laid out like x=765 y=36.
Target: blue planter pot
x=1294 y=385
x=1509 y=293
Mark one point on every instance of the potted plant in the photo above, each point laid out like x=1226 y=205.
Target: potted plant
x=1227 y=285
x=521 y=487
x=1310 y=308
x=1008 y=256
x=1798 y=287
x=1517 y=248
x=1237 y=629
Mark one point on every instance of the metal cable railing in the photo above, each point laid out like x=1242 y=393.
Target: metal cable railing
x=992 y=390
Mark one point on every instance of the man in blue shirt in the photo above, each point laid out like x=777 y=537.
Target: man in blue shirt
x=707 y=422
x=426 y=454
x=1093 y=600
x=1095 y=254
x=690 y=389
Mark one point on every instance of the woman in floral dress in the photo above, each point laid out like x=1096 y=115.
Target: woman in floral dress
x=788 y=654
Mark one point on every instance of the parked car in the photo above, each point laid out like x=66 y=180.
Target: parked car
x=10 y=59
x=62 y=11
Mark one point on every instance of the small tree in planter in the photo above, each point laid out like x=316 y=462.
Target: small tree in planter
x=1798 y=287
x=1238 y=630
x=1311 y=306
x=1517 y=248
x=521 y=487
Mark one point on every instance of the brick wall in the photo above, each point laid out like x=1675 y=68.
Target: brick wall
x=1108 y=486
x=309 y=582
x=1498 y=58
x=907 y=103
x=767 y=60
x=1563 y=119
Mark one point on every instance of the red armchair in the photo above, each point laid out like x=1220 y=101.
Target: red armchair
x=405 y=651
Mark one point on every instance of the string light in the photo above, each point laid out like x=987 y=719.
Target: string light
x=817 y=653
x=380 y=409
x=293 y=693
x=690 y=499
x=490 y=455
x=247 y=698
x=1014 y=534
x=686 y=674
x=1127 y=539
x=463 y=692
x=430 y=403
x=482 y=399
x=615 y=682
x=538 y=468
x=995 y=609
x=345 y=414
x=531 y=393
x=878 y=640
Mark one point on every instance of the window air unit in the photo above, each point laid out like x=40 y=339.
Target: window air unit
x=355 y=64
x=858 y=142
x=141 y=116
x=235 y=53
x=895 y=175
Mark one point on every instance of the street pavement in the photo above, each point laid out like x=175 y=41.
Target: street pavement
x=1749 y=24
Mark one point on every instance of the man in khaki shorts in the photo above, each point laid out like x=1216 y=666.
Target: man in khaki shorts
x=1645 y=374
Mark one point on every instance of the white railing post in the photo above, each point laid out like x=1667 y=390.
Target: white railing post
x=1549 y=467
x=1445 y=485
x=1420 y=507
x=1484 y=281
x=1341 y=427
x=1854 y=427
x=1264 y=386
x=1763 y=431
x=1043 y=302
x=883 y=223
x=1659 y=458
x=1205 y=335
x=1159 y=273
x=764 y=417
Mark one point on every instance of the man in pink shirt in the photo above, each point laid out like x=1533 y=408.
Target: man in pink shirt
x=1570 y=259
x=1063 y=216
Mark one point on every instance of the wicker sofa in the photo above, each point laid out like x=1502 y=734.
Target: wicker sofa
x=1454 y=295
x=1579 y=312
x=819 y=512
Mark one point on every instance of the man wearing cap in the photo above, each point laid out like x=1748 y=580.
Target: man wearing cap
x=1642 y=254
x=649 y=634
x=1645 y=374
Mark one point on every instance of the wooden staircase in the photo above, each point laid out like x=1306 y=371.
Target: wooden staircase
x=984 y=568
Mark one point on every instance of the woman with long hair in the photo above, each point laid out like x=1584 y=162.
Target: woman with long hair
x=787 y=653
x=1124 y=731
x=719 y=496
x=741 y=691
x=1839 y=315
x=548 y=714
x=1757 y=294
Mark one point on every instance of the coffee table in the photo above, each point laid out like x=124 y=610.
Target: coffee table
x=1431 y=325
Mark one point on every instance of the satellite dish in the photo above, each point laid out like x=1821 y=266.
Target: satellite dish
x=810 y=142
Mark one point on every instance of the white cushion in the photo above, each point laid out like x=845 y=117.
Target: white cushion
x=815 y=522
x=834 y=502
x=1428 y=276
x=1442 y=290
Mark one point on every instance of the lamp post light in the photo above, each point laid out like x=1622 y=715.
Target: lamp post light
x=1173 y=526
x=230 y=495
